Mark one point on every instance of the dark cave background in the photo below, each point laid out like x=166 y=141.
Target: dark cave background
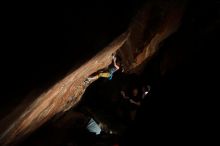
x=40 y=45
x=43 y=43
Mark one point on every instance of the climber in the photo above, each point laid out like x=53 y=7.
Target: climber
x=106 y=74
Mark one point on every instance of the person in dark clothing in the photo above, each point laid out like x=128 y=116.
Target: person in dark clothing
x=134 y=100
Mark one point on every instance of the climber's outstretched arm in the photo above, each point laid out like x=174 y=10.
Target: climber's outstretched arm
x=114 y=62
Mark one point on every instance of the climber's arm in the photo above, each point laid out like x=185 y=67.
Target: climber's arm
x=115 y=64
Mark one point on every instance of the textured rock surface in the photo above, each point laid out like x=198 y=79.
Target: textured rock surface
x=154 y=23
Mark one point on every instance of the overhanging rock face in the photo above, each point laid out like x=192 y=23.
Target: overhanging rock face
x=61 y=96
x=153 y=23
